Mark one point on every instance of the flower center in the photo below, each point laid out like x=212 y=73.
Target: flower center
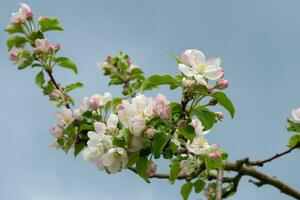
x=201 y=143
x=201 y=68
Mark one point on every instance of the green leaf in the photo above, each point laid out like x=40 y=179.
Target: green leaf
x=157 y=80
x=118 y=141
x=188 y=132
x=186 y=190
x=78 y=148
x=174 y=171
x=14 y=28
x=132 y=159
x=73 y=86
x=142 y=167
x=49 y=24
x=201 y=90
x=160 y=140
x=213 y=163
x=116 y=80
x=39 y=79
x=294 y=140
x=86 y=127
x=15 y=41
x=48 y=88
x=293 y=126
x=66 y=63
x=25 y=64
x=199 y=185
x=176 y=57
x=224 y=101
x=207 y=117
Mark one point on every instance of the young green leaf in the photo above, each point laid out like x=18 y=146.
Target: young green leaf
x=293 y=126
x=199 y=185
x=294 y=140
x=73 y=86
x=78 y=147
x=188 y=132
x=132 y=158
x=39 y=79
x=213 y=163
x=14 y=28
x=174 y=171
x=157 y=80
x=142 y=167
x=26 y=63
x=15 y=41
x=66 y=63
x=207 y=117
x=224 y=101
x=159 y=142
x=49 y=24
x=186 y=190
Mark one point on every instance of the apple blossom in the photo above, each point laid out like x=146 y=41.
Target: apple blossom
x=115 y=159
x=57 y=130
x=21 y=16
x=161 y=106
x=112 y=122
x=136 y=144
x=65 y=115
x=197 y=125
x=77 y=115
x=137 y=125
x=42 y=45
x=93 y=102
x=150 y=132
x=194 y=64
x=190 y=165
x=187 y=83
x=199 y=146
x=296 y=114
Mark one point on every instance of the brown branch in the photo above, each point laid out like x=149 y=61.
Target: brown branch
x=219 y=184
x=278 y=155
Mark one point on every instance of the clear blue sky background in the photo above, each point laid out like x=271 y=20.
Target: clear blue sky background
x=258 y=42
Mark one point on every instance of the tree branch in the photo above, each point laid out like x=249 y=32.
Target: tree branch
x=219 y=184
x=278 y=155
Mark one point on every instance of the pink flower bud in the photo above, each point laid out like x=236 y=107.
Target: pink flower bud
x=54 y=47
x=42 y=45
x=181 y=123
x=108 y=59
x=215 y=155
x=25 y=10
x=210 y=87
x=41 y=18
x=151 y=169
x=216 y=145
x=128 y=62
x=57 y=130
x=161 y=107
x=55 y=94
x=150 y=132
x=222 y=84
x=93 y=102
x=13 y=53
x=188 y=83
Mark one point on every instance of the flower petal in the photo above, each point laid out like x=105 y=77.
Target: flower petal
x=213 y=72
x=188 y=71
x=200 y=79
x=100 y=128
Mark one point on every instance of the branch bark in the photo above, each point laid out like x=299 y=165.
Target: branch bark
x=219 y=184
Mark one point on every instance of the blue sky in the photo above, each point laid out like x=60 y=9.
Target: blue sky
x=258 y=42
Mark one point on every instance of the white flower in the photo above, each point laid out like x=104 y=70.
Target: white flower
x=199 y=146
x=197 y=125
x=77 y=115
x=21 y=16
x=115 y=159
x=134 y=115
x=194 y=64
x=42 y=45
x=131 y=67
x=296 y=114
x=111 y=125
x=105 y=99
x=137 y=143
x=65 y=115
x=84 y=104
x=105 y=65
x=161 y=106
x=190 y=165
x=97 y=145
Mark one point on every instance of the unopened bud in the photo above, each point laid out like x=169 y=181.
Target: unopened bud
x=181 y=123
x=212 y=102
x=215 y=155
x=57 y=130
x=220 y=115
x=150 y=132
x=151 y=169
x=108 y=59
x=222 y=84
x=188 y=83
x=55 y=94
